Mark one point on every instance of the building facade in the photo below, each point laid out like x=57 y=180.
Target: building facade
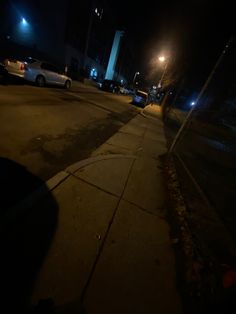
x=60 y=31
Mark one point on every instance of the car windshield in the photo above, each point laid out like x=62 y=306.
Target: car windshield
x=141 y=94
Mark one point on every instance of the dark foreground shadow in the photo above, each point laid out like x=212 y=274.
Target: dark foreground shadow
x=25 y=235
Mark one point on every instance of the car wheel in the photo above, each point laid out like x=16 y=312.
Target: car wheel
x=67 y=84
x=40 y=81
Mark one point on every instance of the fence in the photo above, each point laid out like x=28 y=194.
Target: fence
x=203 y=142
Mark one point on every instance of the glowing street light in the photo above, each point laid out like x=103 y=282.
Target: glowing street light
x=161 y=58
x=23 y=21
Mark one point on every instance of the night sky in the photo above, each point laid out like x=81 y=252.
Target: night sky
x=192 y=33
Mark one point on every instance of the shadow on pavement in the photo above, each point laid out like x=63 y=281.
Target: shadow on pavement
x=14 y=80
x=25 y=236
x=16 y=183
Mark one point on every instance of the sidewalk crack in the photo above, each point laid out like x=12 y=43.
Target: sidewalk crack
x=105 y=236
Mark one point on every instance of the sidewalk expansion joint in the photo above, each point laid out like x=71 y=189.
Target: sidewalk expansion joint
x=106 y=235
x=95 y=186
x=89 y=161
x=117 y=146
x=147 y=211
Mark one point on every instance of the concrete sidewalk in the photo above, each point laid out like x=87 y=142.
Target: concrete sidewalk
x=111 y=252
x=152 y=111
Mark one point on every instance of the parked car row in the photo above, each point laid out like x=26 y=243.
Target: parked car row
x=139 y=97
x=115 y=87
x=111 y=86
x=39 y=72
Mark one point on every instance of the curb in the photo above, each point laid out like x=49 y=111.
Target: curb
x=83 y=163
x=24 y=205
x=148 y=117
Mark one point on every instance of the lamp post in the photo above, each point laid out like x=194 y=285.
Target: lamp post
x=135 y=75
x=163 y=59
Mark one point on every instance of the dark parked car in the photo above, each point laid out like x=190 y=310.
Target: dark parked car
x=140 y=98
x=3 y=73
x=111 y=86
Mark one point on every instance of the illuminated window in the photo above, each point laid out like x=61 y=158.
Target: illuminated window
x=93 y=73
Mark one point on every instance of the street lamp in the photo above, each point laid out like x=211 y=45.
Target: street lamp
x=135 y=75
x=23 y=21
x=162 y=58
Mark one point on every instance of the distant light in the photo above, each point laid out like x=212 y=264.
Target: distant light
x=137 y=73
x=192 y=103
x=93 y=73
x=162 y=58
x=122 y=81
x=97 y=12
x=23 y=21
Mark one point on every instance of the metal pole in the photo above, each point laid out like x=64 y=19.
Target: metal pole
x=88 y=36
x=189 y=115
x=136 y=73
x=163 y=74
x=134 y=77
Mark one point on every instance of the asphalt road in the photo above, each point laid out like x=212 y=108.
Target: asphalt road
x=48 y=129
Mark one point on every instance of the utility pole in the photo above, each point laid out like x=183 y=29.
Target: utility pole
x=163 y=74
x=99 y=13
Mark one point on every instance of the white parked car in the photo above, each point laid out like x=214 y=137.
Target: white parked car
x=39 y=72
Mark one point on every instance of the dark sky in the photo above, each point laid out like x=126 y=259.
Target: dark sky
x=192 y=33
